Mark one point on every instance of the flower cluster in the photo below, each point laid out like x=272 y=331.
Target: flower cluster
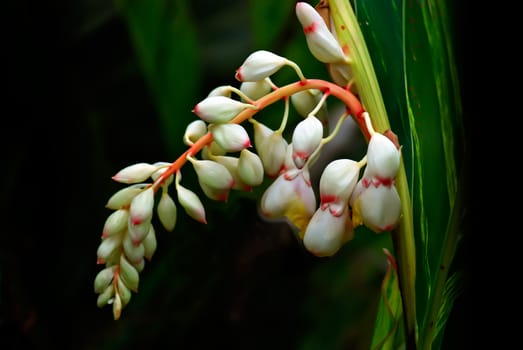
x=225 y=158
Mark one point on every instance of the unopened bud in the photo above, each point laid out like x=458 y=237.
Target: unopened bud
x=255 y=89
x=231 y=163
x=305 y=101
x=271 y=147
x=124 y=196
x=135 y=173
x=321 y=42
x=106 y=296
x=326 y=233
x=103 y=279
x=150 y=244
x=133 y=252
x=383 y=157
x=338 y=180
x=141 y=209
x=223 y=90
x=191 y=203
x=115 y=223
x=219 y=109
x=260 y=65
x=378 y=208
x=129 y=274
x=124 y=292
x=250 y=168
x=194 y=131
x=305 y=139
x=166 y=210
x=213 y=174
x=162 y=167
x=108 y=247
x=230 y=137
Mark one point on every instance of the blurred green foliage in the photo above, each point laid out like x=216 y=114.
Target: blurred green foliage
x=97 y=85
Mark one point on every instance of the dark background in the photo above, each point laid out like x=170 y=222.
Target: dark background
x=77 y=109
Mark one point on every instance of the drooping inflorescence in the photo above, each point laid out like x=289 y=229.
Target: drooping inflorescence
x=226 y=157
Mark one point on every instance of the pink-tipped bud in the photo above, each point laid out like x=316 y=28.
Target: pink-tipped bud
x=383 y=157
x=271 y=147
x=141 y=209
x=103 y=279
x=191 y=203
x=321 y=42
x=115 y=223
x=124 y=196
x=150 y=244
x=378 y=208
x=219 y=109
x=194 y=131
x=133 y=252
x=250 y=168
x=138 y=231
x=135 y=173
x=255 y=89
x=338 y=180
x=305 y=139
x=259 y=65
x=216 y=194
x=166 y=210
x=230 y=137
x=326 y=233
x=128 y=274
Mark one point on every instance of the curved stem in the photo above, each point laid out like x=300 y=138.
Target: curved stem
x=353 y=105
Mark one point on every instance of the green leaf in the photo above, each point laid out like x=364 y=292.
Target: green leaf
x=388 y=318
x=165 y=41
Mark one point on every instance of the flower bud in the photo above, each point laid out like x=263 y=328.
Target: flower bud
x=326 y=233
x=124 y=196
x=194 y=131
x=260 y=65
x=108 y=247
x=213 y=174
x=231 y=163
x=216 y=194
x=117 y=306
x=133 y=252
x=141 y=208
x=305 y=101
x=149 y=244
x=341 y=74
x=321 y=42
x=106 y=296
x=135 y=173
x=271 y=147
x=378 y=208
x=383 y=157
x=191 y=203
x=338 y=180
x=223 y=90
x=166 y=210
x=230 y=137
x=115 y=223
x=219 y=109
x=162 y=167
x=128 y=274
x=139 y=265
x=305 y=139
x=255 y=89
x=138 y=231
x=250 y=168
x=103 y=279
x=124 y=292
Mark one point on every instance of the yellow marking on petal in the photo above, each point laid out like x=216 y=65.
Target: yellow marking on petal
x=297 y=214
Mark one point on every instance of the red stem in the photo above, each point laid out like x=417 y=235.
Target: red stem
x=351 y=102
